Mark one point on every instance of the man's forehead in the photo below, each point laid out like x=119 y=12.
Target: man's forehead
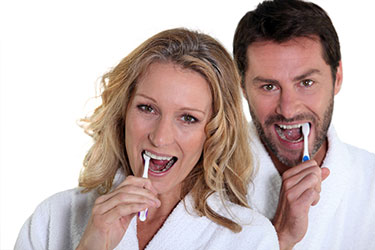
x=265 y=47
x=294 y=56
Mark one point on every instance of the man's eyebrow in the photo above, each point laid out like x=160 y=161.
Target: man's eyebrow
x=305 y=75
x=260 y=79
x=308 y=73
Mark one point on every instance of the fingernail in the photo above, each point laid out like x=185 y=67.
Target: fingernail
x=157 y=203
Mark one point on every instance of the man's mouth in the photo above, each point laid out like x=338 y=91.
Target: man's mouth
x=160 y=164
x=290 y=133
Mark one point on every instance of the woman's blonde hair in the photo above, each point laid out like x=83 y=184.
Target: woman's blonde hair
x=225 y=165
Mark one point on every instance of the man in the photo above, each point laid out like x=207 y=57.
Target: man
x=288 y=54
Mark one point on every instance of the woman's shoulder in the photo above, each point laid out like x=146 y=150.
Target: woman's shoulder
x=260 y=228
x=61 y=217
x=257 y=230
x=67 y=200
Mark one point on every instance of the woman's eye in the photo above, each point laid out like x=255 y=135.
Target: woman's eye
x=189 y=119
x=307 y=83
x=269 y=87
x=145 y=108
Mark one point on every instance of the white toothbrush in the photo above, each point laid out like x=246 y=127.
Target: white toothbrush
x=143 y=214
x=305 y=132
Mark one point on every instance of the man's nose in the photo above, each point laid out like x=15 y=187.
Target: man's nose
x=289 y=104
x=162 y=133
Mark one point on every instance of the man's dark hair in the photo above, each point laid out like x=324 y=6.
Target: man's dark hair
x=282 y=20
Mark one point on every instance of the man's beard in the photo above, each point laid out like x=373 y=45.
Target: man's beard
x=321 y=132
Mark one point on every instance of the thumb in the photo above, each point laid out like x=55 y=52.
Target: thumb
x=325 y=173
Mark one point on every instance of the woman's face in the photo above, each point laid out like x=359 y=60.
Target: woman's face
x=166 y=120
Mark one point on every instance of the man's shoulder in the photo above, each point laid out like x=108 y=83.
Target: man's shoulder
x=360 y=155
x=362 y=168
x=349 y=154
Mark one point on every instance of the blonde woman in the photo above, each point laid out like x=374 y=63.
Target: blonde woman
x=176 y=100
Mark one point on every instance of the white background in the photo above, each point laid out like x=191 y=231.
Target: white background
x=53 y=52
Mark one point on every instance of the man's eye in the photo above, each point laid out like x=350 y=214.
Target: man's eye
x=145 y=108
x=269 y=87
x=307 y=83
x=189 y=119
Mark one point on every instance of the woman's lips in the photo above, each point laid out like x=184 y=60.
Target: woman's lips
x=160 y=164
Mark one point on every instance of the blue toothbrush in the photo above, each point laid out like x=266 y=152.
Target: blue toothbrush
x=305 y=132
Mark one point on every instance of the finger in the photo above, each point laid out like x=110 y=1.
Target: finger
x=299 y=168
x=308 y=198
x=294 y=180
x=126 y=194
x=123 y=210
x=131 y=189
x=126 y=198
x=138 y=181
x=325 y=173
x=129 y=181
x=310 y=181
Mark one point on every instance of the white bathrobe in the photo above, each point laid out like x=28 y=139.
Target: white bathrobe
x=344 y=218
x=59 y=222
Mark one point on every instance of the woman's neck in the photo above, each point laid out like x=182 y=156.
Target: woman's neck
x=156 y=218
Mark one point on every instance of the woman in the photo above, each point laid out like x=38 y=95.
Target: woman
x=176 y=100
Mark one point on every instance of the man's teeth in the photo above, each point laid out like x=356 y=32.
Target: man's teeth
x=290 y=126
x=281 y=134
x=289 y=132
x=156 y=157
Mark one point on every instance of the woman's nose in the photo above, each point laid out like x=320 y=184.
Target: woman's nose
x=162 y=133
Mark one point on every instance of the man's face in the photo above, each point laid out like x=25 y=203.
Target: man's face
x=286 y=85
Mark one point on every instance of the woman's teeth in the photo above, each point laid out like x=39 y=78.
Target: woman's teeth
x=163 y=168
x=160 y=164
x=156 y=157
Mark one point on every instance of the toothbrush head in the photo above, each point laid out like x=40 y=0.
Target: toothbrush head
x=146 y=157
x=306 y=129
x=147 y=163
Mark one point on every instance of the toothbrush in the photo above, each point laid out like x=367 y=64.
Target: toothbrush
x=305 y=132
x=143 y=214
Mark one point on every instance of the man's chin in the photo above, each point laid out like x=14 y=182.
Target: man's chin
x=288 y=161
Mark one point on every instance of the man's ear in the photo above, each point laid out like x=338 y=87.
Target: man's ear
x=244 y=92
x=339 y=77
x=243 y=87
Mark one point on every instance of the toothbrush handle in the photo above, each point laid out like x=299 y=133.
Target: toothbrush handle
x=305 y=158
x=143 y=215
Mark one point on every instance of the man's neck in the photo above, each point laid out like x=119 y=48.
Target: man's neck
x=318 y=157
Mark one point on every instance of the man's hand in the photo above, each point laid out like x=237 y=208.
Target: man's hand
x=300 y=189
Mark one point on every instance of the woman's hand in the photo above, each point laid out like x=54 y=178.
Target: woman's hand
x=113 y=212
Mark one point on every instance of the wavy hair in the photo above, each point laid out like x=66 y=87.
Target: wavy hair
x=225 y=165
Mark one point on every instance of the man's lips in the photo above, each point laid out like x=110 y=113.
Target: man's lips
x=291 y=133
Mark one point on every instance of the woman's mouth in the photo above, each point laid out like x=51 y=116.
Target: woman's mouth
x=160 y=164
x=290 y=133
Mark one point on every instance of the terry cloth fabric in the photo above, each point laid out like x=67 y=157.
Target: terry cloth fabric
x=59 y=223
x=344 y=218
